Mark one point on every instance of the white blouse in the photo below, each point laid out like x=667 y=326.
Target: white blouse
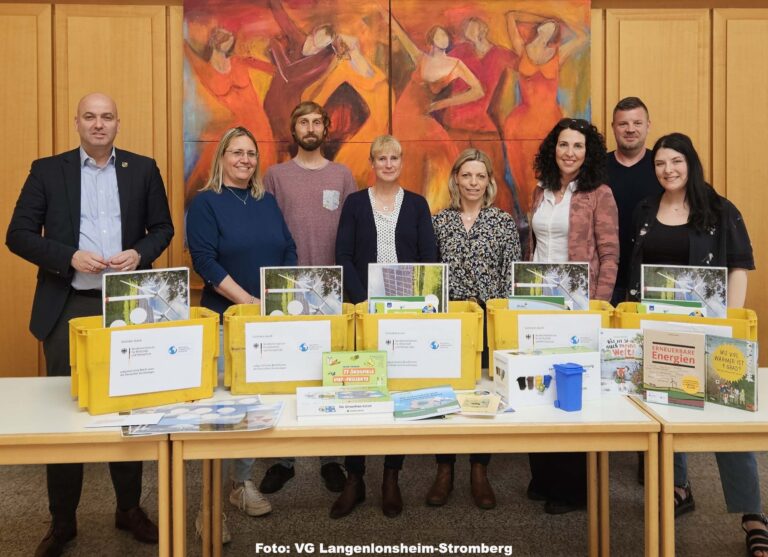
x=385 y=228
x=550 y=226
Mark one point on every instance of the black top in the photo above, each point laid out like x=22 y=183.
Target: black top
x=666 y=245
x=356 y=241
x=726 y=244
x=630 y=185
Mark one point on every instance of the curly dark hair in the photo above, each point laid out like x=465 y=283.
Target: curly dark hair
x=592 y=173
x=704 y=203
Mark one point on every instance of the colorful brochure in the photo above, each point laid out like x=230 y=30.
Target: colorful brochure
x=732 y=372
x=570 y=280
x=707 y=285
x=621 y=361
x=301 y=290
x=400 y=281
x=674 y=368
x=421 y=404
x=143 y=297
x=359 y=369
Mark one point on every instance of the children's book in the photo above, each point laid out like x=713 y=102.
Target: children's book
x=321 y=402
x=548 y=303
x=732 y=372
x=301 y=290
x=360 y=369
x=569 y=280
x=674 y=368
x=707 y=285
x=420 y=404
x=143 y=297
x=404 y=281
x=621 y=361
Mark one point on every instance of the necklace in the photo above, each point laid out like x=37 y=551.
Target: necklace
x=243 y=200
x=381 y=207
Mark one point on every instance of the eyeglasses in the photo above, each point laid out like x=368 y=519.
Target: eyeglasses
x=239 y=154
x=574 y=124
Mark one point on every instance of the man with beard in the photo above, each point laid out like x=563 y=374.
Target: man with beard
x=310 y=191
x=631 y=177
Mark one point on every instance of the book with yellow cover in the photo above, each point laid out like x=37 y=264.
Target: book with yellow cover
x=732 y=372
x=674 y=368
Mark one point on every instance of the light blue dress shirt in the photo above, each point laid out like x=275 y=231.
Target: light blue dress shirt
x=100 y=227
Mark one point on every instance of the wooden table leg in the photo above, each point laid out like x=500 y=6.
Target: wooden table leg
x=216 y=519
x=205 y=509
x=593 y=520
x=163 y=499
x=667 y=496
x=604 y=504
x=179 y=502
x=652 y=496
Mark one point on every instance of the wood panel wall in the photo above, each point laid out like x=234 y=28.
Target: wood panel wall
x=699 y=65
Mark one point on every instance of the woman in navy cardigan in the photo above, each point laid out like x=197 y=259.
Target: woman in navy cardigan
x=381 y=224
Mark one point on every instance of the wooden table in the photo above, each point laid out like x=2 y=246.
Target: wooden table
x=612 y=424
x=41 y=424
x=714 y=429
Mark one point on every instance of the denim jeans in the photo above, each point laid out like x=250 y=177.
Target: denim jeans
x=738 y=476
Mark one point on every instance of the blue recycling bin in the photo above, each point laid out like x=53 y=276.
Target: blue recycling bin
x=568 y=378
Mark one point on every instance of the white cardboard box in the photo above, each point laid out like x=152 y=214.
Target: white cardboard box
x=520 y=376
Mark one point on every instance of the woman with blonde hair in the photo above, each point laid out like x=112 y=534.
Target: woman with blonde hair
x=233 y=229
x=479 y=242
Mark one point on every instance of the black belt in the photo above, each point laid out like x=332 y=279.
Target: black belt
x=93 y=293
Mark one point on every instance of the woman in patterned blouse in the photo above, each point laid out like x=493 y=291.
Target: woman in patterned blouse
x=381 y=224
x=479 y=242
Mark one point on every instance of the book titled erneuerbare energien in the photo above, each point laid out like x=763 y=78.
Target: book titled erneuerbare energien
x=674 y=369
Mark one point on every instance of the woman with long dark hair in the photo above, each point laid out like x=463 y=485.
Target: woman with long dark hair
x=574 y=218
x=691 y=224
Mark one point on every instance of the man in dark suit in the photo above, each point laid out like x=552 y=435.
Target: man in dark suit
x=81 y=213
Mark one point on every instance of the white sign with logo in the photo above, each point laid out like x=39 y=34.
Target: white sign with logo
x=421 y=349
x=286 y=350
x=153 y=360
x=558 y=330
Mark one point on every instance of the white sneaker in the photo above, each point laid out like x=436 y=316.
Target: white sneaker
x=247 y=498
x=226 y=537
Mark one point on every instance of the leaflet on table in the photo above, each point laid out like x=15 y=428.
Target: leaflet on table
x=674 y=370
x=286 y=350
x=708 y=285
x=363 y=368
x=236 y=414
x=549 y=303
x=428 y=280
x=120 y=420
x=425 y=403
x=421 y=349
x=478 y=403
x=691 y=309
x=559 y=330
x=570 y=280
x=142 y=297
x=301 y=290
x=153 y=360
x=335 y=401
x=621 y=361
x=686 y=327
x=732 y=372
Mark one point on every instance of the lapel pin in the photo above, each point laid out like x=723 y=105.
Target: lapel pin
x=124 y=164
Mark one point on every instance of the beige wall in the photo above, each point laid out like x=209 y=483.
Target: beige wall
x=698 y=66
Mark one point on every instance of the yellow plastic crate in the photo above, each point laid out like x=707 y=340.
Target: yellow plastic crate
x=471 y=316
x=742 y=321
x=89 y=350
x=502 y=322
x=235 y=318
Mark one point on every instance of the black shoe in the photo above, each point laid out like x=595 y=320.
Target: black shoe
x=58 y=535
x=554 y=506
x=334 y=476
x=275 y=478
x=137 y=522
x=685 y=504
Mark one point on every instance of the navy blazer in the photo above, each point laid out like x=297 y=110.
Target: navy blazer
x=45 y=226
x=356 y=239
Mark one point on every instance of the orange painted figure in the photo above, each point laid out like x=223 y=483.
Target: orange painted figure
x=226 y=77
x=538 y=80
x=427 y=165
